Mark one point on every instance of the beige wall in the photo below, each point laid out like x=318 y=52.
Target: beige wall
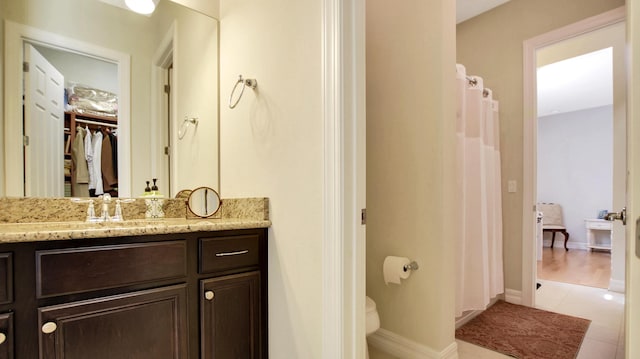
x=3 y=10
x=207 y=7
x=272 y=145
x=410 y=167
x=632 y=326
x=490 y=46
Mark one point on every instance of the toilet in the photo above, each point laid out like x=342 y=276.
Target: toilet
x=372 y=321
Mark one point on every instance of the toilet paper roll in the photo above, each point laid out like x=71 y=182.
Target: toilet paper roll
x=393 y=269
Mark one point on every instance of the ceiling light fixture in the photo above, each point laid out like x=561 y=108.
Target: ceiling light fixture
x=142 y=6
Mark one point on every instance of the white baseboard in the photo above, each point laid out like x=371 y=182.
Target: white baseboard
x=513 y=296
x=570 y=244
x=470 y=314
x=616 y=285
x=403 y=348
x=466 y=317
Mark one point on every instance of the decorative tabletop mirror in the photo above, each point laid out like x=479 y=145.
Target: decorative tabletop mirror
x=203 y=202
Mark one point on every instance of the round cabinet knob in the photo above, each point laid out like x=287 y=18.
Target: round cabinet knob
x=49 y=327
x=3 y=338
x=208 y=295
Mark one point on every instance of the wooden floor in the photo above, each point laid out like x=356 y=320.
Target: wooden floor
x=576 y=266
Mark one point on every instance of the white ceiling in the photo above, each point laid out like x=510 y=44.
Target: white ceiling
x=466 y=9
x=577 y=83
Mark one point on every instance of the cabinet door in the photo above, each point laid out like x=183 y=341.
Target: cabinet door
x=6 y=336
x=231 y=320
x=145 y=324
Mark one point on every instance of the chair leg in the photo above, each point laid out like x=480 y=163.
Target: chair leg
x=553 y=238
x=566 y=239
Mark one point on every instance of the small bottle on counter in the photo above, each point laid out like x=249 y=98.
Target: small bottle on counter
x=153 y=200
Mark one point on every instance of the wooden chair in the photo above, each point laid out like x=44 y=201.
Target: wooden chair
x=552 y=221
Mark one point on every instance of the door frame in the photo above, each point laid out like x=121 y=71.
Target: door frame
x=15 y=35
x=529 y=155
x=162 y=59
x=343 y=245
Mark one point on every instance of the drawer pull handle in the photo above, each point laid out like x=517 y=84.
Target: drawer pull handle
x=208 y=295
x=3 y=338
x=49 y=327
x=224 y=254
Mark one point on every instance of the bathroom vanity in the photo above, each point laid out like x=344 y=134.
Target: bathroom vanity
x=171 y=289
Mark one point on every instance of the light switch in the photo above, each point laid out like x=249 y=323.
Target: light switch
x=512 y=186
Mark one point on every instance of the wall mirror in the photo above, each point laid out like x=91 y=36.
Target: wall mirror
x=175 y=46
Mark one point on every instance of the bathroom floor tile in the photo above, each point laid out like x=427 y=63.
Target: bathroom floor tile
x=470 y=351
x=550 y=295
x=605 y=309
x=595 y=349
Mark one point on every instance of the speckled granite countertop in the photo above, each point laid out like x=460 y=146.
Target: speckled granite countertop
x=234 y=214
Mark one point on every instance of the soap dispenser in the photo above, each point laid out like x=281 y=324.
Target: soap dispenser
x=153 y=201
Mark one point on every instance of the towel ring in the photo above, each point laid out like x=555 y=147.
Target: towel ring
x=253 y=83
x=187 y=121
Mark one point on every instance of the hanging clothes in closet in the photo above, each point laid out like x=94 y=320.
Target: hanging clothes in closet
x=80 y=171
x=95 y=153
x=108 y=160
x=479 y=237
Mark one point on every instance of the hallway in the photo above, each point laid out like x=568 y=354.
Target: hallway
x=576 y=266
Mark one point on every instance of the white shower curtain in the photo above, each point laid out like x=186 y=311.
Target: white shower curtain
x=479 y=235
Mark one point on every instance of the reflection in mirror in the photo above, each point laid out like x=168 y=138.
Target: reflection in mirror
x=183 y=194
x=174 y=48
x=203 y=202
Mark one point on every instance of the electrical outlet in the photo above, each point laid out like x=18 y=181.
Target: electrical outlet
x=512 y=186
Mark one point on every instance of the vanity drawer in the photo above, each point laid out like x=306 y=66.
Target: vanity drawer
x=226 y=253
x=6 y=278
x=76 y=270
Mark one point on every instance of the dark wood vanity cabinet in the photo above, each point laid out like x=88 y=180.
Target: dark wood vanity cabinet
x=143 y=324
x=195 y=295
x=6 y=336
x=231 y=317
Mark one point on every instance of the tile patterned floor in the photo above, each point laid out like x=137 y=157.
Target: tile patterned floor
x=605 y=337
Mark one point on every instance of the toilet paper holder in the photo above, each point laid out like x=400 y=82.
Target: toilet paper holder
x=411 y=266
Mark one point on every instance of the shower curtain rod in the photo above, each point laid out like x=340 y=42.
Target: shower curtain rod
x=473 y=81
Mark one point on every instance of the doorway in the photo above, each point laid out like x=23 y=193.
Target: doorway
x=602 y=302
x=15 y=37
x=163 y=109
x=529 y=249
x=575 y=155
x=89 y=87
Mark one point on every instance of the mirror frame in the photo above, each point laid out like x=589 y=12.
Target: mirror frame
x=195 y=192
x=15 y=35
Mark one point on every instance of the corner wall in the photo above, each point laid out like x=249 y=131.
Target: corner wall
x=410 y=166
x=491 y=45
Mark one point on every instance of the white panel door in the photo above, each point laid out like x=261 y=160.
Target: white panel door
x=43 y=126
